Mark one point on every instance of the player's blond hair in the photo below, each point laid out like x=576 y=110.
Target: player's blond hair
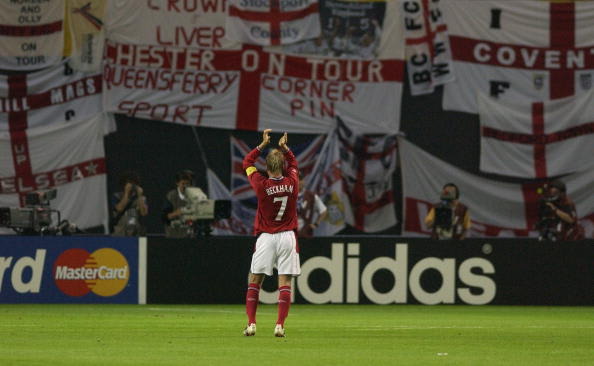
x=275 y=161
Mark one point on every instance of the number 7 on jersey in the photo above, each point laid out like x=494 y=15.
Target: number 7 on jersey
x=283 y=206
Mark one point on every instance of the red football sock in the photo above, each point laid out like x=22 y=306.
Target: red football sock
x=284 y=303
x=251 y=302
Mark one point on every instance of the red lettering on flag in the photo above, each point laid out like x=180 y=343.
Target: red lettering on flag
x=30 y=30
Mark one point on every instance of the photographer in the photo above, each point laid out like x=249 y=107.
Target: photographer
x=175 y=200
x=129 y=206
x=557 y=216
x=448 y=219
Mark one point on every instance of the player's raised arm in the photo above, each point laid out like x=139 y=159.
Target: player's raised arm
x=289 y=157
x=250 y=158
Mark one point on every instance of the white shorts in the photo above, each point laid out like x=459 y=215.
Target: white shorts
x=278 y=250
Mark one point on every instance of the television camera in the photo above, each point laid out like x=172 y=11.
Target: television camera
x=36 y=218
x=200 y=212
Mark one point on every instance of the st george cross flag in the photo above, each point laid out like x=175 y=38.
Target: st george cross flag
x=537 y=140
x=53 y=95
x=85 y=22
x=496 y=209
x=367 y=165
x=251 y=89
x=40 y=161
x=428 y=55
x=518 y=50
x=31 y=35
x=273 y=22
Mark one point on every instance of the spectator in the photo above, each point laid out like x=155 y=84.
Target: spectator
x=310 y=209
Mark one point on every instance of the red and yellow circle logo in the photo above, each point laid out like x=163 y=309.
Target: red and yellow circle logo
x=105 y=272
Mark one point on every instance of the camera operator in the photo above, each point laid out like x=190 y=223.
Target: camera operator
x=129 y=206
x=448 y=219
x=557 y=216
x=175 y=200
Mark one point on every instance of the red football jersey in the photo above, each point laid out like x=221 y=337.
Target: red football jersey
x=277 y=197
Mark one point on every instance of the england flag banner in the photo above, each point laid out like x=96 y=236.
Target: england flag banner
x=87 y=34
x=272 y=22
x=37 y=160
x=519 y=50
x=250 y=88
x=31 y=34
x=54 y=95
x=192 y=24
x=367 y=166
x=496 y=209
x=428 y=55
x=537 y=140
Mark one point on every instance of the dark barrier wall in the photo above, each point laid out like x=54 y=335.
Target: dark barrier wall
x=383 y=270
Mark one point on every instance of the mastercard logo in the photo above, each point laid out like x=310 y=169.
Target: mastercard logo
x=105 y=272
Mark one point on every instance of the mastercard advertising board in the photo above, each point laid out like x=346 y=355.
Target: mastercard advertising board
x=72 y=270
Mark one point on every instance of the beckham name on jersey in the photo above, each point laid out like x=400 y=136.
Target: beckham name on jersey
x=281 y=188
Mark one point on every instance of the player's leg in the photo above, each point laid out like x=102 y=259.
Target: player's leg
x=288 y=267
x=262 y=264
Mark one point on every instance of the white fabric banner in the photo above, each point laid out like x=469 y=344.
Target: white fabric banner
x=86 y=19
x=537 y=140
x=37 y=160
x=272 y=22
x=53 y=95
x=192 y=24
x=326 y=181
x=496 y=209
x=516 y=50
x=31 y=35
x=428 y=55
x=251 y=89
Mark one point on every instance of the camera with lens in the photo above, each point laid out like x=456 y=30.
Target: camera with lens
x=443 y=211
x=36 y=218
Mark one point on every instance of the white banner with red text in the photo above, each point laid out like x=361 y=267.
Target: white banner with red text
x=519 y=50
x=272 y=22
x=192 y=24
x=31 y=34
x=537 y=140
x=496 y=209
x=53 y=95
x=37 y=160
x=428 y=54
x=251 y=89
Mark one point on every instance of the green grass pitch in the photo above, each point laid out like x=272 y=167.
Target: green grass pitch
x=316 y=335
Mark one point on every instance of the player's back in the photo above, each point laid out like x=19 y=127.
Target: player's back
x=277 y=205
